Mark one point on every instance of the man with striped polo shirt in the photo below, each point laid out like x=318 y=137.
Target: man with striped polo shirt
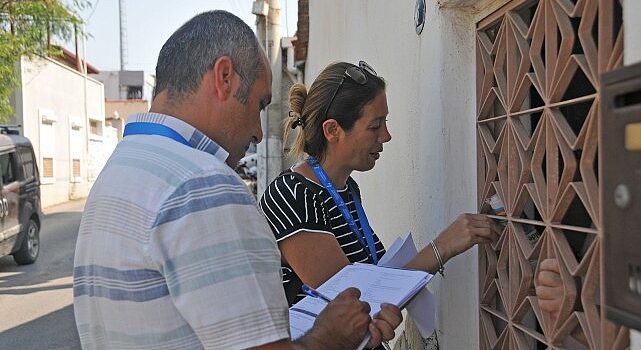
x=172 y=252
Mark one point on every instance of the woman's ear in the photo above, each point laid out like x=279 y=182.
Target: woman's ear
x=331 y=130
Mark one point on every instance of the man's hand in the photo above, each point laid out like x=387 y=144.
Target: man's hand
x=383 y=324
x=466 y=231
x=343 y=323
x=550 y=287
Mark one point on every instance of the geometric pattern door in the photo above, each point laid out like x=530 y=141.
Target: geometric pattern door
x=538 y=71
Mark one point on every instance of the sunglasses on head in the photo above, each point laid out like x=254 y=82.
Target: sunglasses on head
x=356 y=74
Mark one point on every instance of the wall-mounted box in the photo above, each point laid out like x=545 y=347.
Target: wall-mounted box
x=621 y=193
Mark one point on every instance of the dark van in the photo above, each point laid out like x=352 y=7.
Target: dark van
x=20 y=212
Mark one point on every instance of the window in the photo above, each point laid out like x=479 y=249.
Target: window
x=8 y=167
x=76 y=168
x=47 y=167
x=134 y=92
x=27 y=162
x=94 y=127
x=49 y=141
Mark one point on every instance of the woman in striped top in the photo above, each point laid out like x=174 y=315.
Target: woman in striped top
x=342 y=122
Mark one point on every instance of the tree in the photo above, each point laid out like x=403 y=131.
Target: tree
x=26 y=29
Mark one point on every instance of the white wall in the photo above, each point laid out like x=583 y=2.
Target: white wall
x=100 y=149
x=148 y=86
x=58 y=91
x=427 y=173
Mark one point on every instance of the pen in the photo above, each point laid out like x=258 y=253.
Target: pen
x=314 y=293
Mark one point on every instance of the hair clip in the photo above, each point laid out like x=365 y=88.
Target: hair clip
x=299 y=120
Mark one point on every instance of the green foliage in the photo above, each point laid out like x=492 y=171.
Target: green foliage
x=26 y=29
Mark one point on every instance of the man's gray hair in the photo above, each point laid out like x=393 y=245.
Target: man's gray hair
x=194 y=48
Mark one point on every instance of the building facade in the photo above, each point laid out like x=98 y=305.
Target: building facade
x=467 y=97
x=127 y=84
x=126 y=93
x=62 y=112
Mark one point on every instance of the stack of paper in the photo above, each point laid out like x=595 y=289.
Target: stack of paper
x=422 y=308
x=377 y=285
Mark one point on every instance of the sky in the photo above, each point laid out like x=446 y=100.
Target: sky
x=151 y=22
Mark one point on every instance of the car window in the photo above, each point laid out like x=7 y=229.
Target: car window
x=7 y=167
x=27 y=162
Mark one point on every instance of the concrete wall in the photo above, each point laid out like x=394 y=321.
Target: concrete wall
x=117 y=111
x=100 y=149
x=427 y=173
x=116 y=83
x=55 y=117
x=111 y=81
x=125 y=108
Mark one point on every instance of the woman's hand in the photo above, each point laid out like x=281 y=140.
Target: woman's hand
x=383 y=324
x=466 y=231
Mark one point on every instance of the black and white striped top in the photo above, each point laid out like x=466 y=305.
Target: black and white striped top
x=293 y=203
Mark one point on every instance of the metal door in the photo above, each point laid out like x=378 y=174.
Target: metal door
x=621 y=193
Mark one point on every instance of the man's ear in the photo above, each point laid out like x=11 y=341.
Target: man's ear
x=331 y=130
x=222 y=76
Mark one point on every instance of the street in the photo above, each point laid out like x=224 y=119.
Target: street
x=37 y=300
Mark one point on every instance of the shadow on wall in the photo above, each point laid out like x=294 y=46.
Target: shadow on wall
x=411 y=339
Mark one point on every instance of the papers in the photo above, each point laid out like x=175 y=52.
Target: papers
x=400 y=253
x=422 y=308
x=377 y=284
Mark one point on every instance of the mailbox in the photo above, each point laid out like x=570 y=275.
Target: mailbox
x=620 y=136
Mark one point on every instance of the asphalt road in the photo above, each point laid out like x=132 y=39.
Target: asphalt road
x=36 y=301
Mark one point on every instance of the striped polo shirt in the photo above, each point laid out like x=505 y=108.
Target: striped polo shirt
x=294 y=204
x=173 y=252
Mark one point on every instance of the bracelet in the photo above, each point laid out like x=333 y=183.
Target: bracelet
x=441 y=268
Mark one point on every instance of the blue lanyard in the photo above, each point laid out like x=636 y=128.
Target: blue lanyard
x=141 y=128
x=367 y=231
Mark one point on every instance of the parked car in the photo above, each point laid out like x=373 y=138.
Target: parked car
x=20 y=211
x=247 y=166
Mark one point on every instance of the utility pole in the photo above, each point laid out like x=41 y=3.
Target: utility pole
x=123 y=45
x=270 y=154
